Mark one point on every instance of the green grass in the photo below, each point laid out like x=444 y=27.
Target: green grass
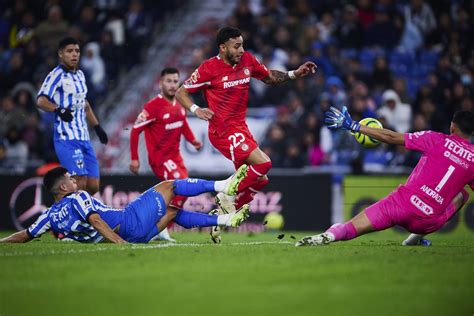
x=372 y=275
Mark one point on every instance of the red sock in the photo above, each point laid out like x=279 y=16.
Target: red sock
x=247 y=195
x=254 y=172
x=178 y=201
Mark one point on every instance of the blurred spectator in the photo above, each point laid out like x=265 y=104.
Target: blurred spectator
x=293 y=157
x=381 y=75
x=10 y=115
x=111 y=55
x=349 y=32
x=274 y=144
x=24 y=94
x=325 y=27
x=244 y=17
x=15 y=72
x=335 y=88
x=420 y=14
x=88 y=24
x=50 y=31
x=365 y=13
x=397 y=114
x=138 y=27
x=17 y=149
x=432 y=116
x=411 y=37
x=399 y=86
x=22 y=31
x=32 y=136
x=93 y=66
x=382 y=31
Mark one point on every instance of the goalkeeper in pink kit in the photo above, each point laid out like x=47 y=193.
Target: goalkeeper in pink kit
x=433 y=193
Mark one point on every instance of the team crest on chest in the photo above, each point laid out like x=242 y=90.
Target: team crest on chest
x=166 y=116
x=247 y=71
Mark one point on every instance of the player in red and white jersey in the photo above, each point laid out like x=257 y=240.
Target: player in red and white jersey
x=225 y=81
x=164 y=121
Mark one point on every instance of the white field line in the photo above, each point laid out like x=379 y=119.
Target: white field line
x=95 y=248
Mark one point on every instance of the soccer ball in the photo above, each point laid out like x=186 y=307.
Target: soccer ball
x=365 y=140
x=274 y=221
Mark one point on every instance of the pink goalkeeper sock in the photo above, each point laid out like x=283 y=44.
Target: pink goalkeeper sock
x=344 y=231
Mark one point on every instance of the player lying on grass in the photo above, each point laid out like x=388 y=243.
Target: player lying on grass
x=433 y=193
x=79 y=216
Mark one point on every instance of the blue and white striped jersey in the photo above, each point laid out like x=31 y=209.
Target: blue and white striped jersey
x=70 y=216
x=68 y=90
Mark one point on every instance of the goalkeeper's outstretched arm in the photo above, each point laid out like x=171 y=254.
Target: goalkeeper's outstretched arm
x=383 y=135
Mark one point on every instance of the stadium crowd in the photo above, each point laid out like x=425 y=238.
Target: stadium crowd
x=408 y=63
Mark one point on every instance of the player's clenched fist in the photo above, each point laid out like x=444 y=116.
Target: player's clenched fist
x=134 y=166
x=204 y=114
x=197 y=144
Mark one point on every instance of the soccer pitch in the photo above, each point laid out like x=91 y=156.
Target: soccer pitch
x=246 y=275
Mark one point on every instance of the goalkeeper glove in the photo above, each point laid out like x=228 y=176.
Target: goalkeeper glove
x=335 y=119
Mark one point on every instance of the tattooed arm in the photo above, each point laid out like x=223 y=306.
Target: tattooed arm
x=277 y=77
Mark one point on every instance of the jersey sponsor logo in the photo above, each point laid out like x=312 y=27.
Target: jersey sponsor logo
x=432 y=193
x=456 y=160
x=238 y=82
x=174 y=125
x=458 y=150
x=422 y=206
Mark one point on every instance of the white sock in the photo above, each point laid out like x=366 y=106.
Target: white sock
x=219 y=186
x=164 y=234
x=330 y=236
x=224 y=220
x=413 y=239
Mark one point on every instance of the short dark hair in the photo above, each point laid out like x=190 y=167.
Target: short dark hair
x=226 y=33
x=169 y=71
x=52 y=177
x=465 y=121
x=67 y=41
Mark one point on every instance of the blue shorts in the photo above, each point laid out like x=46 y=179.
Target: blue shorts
x=78 y=157
x=141 y=216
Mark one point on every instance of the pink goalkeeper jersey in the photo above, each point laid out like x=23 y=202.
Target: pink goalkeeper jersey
x=446 y=166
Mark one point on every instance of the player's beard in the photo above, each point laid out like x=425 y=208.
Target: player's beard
x=169 y=95
x=233 y=59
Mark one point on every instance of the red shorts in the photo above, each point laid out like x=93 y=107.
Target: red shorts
x=171 y=169
x=235 y=144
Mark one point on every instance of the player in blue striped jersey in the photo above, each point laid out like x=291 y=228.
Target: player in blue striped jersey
x=79 y=216
x=64 y=92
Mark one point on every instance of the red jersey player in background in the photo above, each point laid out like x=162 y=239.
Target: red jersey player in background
x=164 y=121
x=225 y=80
